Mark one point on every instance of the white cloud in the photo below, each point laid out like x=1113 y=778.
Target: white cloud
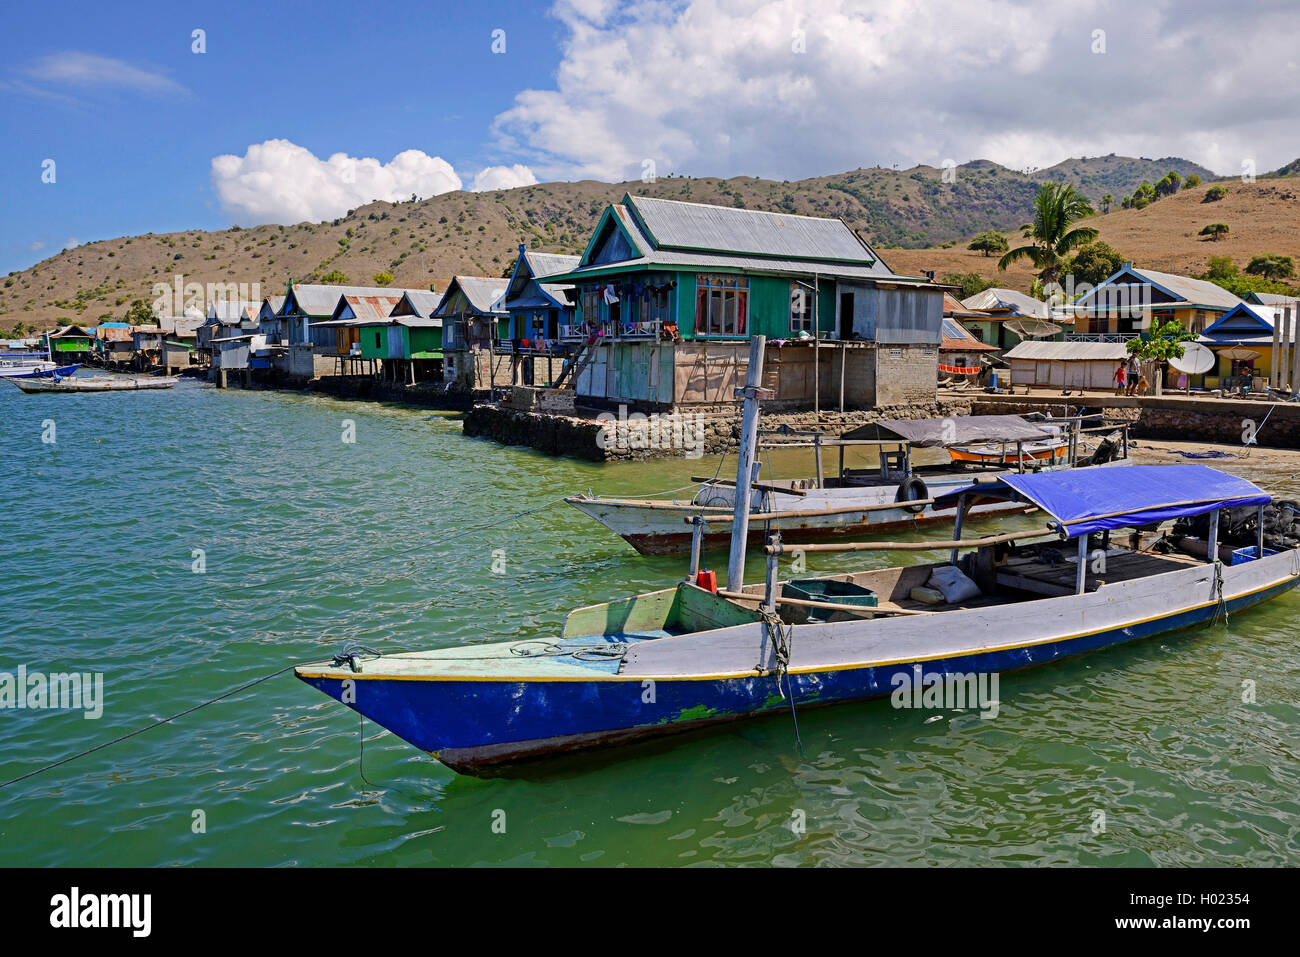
x=73 y=68
x=281 y=182
x=719 y=87
x=36 y=246
x=503 y=177
x=72 y=242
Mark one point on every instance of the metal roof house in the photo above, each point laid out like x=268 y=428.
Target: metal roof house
x=1130 y=301
x=998 y=316
x=407 y=344
x=312 y=345
x=473 y=323
x=542 y=329
x=1065 y=365
x=668 y=294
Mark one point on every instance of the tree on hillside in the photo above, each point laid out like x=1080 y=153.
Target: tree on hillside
x=1214 y=194
x=510 y=268
x=1271 y=266
x=1169 y=185
x=1106 y=201
x=334 y=278
x=139 y=313
x=968 y=283
x=1192 y=182
x=989 y=241
x=1220 y=267
x=1093 y=264
x=382 y=278
x=1215 y=231
x=1053 y=233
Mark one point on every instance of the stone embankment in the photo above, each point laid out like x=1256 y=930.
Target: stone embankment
x=609 y=436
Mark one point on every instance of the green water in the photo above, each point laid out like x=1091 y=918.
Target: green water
x=309 y=541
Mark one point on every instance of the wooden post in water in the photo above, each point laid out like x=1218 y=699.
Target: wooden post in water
x=745 y=467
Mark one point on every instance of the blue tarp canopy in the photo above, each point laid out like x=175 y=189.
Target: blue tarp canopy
x=1089 y=500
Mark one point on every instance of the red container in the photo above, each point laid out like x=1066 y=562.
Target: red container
x=707 y=580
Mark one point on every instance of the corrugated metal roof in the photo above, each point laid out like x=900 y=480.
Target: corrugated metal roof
x=1018 y=303
x=1271 y=298
x=228 y=310
x=542 y=265
x=320 y=300
x=682 y=226
x=1200 y=292
x=1067 y=351
x=481 y=291
x=368 y=308
x=423 y=301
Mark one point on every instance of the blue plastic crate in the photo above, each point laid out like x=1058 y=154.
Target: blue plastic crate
x=1249 y=554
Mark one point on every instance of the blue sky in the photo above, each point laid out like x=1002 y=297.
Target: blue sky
x=148 y=136
x=368 y=79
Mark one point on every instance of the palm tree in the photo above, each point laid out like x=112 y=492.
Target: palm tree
x=1106 y=201
x=1056 y=207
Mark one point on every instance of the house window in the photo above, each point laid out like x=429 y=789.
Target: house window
x=652 y=305
x=801 y=308
x=721 y=305
x=591 y=307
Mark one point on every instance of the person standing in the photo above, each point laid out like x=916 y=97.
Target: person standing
x=1119 y=378
x=1134 y=373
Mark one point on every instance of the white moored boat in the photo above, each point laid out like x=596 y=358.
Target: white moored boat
x=855 y=502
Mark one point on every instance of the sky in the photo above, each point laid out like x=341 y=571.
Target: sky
x=158 y=117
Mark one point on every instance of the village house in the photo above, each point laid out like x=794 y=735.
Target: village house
x=1003 y=317
x=179 y=342
x=1242 y=342
x=541 y=327
x=1133 y=300
x=961 y=355
x=232 y=338
x=146 y=346
x=1070 y=365
x=473 y=326
x=312 y=342
x=72 y=344
x=353 y=311
x=408 y=343
x=669 y=293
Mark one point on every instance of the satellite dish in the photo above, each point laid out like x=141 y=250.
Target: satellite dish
x=1032 y=328
x=1195 y=360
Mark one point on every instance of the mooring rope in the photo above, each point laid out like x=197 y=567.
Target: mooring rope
x=148 y=727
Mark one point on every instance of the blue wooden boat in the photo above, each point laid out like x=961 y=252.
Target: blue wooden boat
x=685 y=657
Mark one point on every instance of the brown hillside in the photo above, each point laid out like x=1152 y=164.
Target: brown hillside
x=1263 y=217
x=430 y=240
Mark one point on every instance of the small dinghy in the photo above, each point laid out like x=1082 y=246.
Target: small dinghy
x=94 y=384
x=1098 y=573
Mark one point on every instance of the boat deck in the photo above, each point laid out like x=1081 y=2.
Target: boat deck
x=1060 y=578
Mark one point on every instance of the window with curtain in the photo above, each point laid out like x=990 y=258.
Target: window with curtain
x=721 y=305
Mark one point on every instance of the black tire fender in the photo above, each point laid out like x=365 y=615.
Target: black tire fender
x=910 y=490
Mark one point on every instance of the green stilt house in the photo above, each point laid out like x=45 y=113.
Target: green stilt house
x=668 y=294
